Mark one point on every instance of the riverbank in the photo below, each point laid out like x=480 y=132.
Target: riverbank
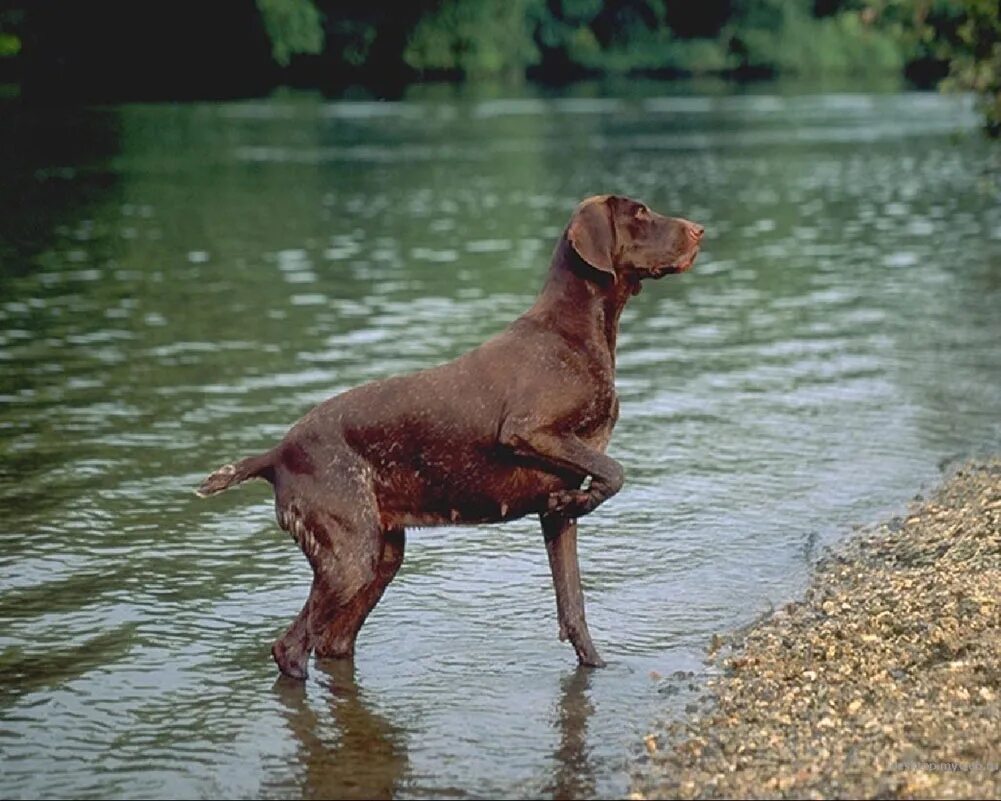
x=885 y=681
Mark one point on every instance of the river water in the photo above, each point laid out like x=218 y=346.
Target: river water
x=179 y=283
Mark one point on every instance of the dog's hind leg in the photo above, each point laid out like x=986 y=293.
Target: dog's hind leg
x=337 y=640
x=343 y=543
x=291 y=650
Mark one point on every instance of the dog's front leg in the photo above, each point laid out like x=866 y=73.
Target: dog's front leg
x=560 y=534
x=568 y=454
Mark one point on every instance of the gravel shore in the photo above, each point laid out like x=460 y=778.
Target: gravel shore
x=884 y=682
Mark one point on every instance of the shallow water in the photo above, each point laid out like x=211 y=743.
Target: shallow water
x=180 y=282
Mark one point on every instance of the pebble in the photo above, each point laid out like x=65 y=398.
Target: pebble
x=884 y=681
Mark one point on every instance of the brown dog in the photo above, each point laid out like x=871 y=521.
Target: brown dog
x=517 y=426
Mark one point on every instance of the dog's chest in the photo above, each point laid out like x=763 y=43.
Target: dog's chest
x=598 y=416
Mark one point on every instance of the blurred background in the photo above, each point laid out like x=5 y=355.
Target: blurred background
x=214 y=215
x=116 y=49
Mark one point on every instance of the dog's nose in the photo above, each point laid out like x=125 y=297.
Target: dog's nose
x=697 y=231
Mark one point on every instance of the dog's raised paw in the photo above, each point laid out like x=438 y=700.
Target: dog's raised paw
x=571 y=503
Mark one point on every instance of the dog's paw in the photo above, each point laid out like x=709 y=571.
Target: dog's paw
x=291 y=662
x=569 y=503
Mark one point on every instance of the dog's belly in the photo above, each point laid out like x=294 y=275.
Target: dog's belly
x=481 y=493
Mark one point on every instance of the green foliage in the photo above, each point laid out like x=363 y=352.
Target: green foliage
x=965 y=34
x=579 y=11
x=477 y=38
x=779 y=36
x=506 y=39
x=354 y=39
x=502 y=38
x=783 y=36
x=11 y=21
x=294 y=26
x=655 y=51
x=622 y=36
x=10 y=45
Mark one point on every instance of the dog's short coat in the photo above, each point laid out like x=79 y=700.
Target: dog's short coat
x=516 y=426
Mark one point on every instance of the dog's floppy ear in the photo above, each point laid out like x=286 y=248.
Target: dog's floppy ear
x=592 y=233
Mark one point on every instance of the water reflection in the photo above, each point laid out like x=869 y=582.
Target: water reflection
x=353 y=753
x=573 y=772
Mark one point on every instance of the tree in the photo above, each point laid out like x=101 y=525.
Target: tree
x=965 y=35
x=294 y=27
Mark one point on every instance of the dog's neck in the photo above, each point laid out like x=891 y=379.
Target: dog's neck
x=581 y=301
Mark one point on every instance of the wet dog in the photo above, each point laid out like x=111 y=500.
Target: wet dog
x=517 y=426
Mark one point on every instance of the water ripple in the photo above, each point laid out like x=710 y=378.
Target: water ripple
x=809 y=374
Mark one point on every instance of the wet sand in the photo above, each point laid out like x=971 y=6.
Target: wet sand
x=884 y=682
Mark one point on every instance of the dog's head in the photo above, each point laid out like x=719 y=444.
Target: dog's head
x=624 y=238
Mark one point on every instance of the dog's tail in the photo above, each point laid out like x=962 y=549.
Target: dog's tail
x=229 y=474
